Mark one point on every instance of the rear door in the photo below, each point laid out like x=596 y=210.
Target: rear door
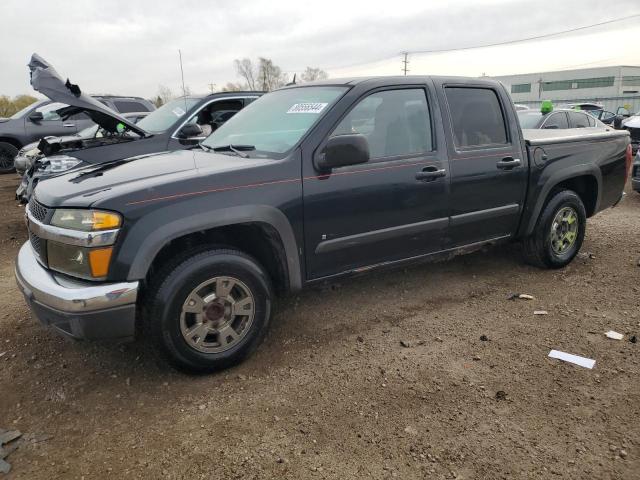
x=488 y=166
x=390 y=208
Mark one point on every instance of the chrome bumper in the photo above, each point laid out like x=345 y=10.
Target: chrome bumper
x=78 y=308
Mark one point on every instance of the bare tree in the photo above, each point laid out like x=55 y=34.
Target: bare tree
x=313 y=73
x=270 y=76
x=164 y=95
x=265 y=76
x=246 y=70
x=233 y=87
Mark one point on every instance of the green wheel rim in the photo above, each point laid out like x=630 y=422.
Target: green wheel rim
x=564 y=230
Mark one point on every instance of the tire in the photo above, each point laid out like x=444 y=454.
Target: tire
x=8 y=154
x=171 y=317
x=548 y=247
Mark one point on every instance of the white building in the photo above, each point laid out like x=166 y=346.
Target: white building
x=612 y=87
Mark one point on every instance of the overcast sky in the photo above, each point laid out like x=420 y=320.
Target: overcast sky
x=131 y=47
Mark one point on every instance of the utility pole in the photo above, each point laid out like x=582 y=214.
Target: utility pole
x=212 y=87
x=405 y=62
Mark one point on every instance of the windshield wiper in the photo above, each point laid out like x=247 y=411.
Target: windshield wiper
x=238 y=149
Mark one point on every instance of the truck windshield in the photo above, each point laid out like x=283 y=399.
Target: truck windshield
x=275 y=122
x=161 y=119
x=529 y=119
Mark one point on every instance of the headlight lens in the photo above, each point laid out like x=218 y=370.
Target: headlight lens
x=90 y=263
x=61 y=163
x=85 y=220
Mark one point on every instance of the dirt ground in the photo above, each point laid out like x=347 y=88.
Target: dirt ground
x=375 y=377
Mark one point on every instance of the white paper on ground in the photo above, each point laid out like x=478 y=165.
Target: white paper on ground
x=567 y=357
x=614 y=335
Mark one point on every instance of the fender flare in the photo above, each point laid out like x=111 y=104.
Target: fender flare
x=155 y=239
x=11 y=140
x=555 y=179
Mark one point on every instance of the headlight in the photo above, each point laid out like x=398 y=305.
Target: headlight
x=61 y=163
x=83 y=262
x=85 y=220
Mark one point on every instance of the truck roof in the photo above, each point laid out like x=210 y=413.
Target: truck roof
x=396 y=79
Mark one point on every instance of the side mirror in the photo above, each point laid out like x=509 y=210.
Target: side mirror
x=190 y=130
x=343 y=150
x=36 y=117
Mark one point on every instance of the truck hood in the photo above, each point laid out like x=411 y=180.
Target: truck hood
x=48 y=82
x=136 y=177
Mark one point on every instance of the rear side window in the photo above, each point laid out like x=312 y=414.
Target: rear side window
x=578 y=120
x=476 y=117
x=556 y=121
x=395 y=122
x=127 y=106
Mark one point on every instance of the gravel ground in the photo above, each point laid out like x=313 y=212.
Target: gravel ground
x=375 y=377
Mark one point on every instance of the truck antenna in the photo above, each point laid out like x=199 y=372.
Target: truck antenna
x=184 y=90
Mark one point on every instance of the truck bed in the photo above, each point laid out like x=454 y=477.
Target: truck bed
x=535 y=137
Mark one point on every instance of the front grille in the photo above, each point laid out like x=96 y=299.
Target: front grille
x=38 y=211
x=38 y=245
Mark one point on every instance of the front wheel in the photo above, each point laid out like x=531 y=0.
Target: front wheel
x=210 y=310
x=559 y=232
x=7 y=156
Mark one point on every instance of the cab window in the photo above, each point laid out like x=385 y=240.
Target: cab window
x=476 y=117
x=395 y=123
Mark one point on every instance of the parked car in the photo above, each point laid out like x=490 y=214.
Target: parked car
x=180 y=124
x=632 y=125
x=51 y=117
x=558 y=119
x=307 y=184
x=635 y=173
x=30 y=153
x=604 y=116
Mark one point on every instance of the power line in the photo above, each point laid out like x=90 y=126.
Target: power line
x=496 y=44
x=527 y=39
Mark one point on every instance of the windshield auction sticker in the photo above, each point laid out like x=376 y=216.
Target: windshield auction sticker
x=307 y=107
x=178 y=112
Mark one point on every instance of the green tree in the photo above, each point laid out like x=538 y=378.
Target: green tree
x=10 y=106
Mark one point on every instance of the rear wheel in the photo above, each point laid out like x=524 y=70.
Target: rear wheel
x=210 y=310
x=8 y=153
x=559 y=232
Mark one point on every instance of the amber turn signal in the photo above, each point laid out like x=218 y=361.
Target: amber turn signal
x=99 y=259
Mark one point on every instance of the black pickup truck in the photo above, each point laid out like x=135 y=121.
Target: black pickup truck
x=306 y=184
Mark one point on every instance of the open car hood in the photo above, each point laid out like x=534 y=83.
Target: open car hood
x=47 y=81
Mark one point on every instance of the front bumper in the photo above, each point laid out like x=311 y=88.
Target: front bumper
x=79 y=309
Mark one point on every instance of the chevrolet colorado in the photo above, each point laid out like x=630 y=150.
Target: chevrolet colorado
x=305 y=184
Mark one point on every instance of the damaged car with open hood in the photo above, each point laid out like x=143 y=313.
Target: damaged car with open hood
x=179 y=124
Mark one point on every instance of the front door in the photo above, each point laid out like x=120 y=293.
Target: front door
x=488 y=166
x=51 y=123
x=390 y=208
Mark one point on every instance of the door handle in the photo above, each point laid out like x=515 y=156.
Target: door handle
x=70 y=125
x=430 y=173
x=507 y=163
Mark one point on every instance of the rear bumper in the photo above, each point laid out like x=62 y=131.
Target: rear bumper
x=79 y=309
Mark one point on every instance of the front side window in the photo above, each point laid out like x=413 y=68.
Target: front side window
x=556 y=121
x=395 y=122
x=476 y=117
x=128 y=106
x=273 y=124
x=50 y=111
x=161 y=119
